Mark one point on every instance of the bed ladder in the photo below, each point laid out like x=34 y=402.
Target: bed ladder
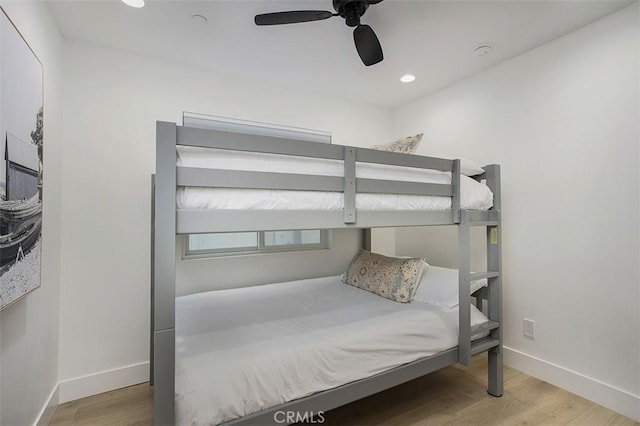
x=492 y=344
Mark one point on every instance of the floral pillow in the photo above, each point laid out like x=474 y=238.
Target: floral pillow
x=390 y=277
x=407 y=145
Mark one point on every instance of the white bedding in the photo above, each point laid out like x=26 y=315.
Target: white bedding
x=474 y=195
x=243 y=350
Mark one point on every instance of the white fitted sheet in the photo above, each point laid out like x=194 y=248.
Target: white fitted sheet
x=243 y=350
x=474 y=195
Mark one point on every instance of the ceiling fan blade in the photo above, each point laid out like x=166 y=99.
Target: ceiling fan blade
x=292 y=17
x=367 y=45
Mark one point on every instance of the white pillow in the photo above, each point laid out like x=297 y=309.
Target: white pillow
x=439 y=286
x=476 y=195
x=470 y=167
x=477 y=318
x=467 y=167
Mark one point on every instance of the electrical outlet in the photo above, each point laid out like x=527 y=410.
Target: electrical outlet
x=529 y=328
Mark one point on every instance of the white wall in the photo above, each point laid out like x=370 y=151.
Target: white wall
x=29 y=327
x=112 y=100
x=562 y=120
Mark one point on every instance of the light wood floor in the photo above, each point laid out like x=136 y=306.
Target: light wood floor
x=453 y=396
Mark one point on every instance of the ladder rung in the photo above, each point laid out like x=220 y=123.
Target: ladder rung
x=484 y=327
x=480 y=275
x=483 y=345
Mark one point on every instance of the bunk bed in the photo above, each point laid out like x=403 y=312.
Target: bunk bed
x=360 y=194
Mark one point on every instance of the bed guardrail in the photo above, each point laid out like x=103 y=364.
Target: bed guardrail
x=194 y=221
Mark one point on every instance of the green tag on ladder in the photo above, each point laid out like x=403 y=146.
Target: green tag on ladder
x=493 y=236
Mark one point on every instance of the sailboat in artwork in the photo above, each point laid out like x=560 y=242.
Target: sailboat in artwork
x=20 y=203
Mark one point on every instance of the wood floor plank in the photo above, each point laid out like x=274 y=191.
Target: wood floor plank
x=454 y=396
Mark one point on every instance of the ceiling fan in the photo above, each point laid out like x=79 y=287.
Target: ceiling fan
x=367 y=43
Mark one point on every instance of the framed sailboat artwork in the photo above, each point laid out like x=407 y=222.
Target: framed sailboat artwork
x=21 y=146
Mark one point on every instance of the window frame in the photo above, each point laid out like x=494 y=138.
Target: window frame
x=260 y=249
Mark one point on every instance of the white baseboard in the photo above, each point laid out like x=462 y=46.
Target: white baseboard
x=594 y=390
x=46 y=413
x=93 y=384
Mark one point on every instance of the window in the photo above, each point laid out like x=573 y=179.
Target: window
x=253 y=128
x=224 y=244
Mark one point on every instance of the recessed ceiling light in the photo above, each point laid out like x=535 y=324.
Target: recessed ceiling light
x=482 y=49
x=407 y=78
x=200 y=19
x=134 y=3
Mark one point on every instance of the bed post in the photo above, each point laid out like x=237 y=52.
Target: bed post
x=455 y=183
x=164 y=275
x=494 y=289
x=464 y=273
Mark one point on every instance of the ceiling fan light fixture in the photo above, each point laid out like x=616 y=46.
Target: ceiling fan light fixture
x=134 y=3
x=407 y=78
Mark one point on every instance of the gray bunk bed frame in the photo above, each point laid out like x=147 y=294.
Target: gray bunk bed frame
x=168 y=221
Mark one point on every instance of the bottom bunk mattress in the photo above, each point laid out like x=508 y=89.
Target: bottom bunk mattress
x=240 y=351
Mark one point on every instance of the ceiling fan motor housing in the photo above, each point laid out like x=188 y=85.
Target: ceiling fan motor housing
x=351 y=10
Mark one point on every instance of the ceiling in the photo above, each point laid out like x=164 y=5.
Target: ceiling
x=434 y=40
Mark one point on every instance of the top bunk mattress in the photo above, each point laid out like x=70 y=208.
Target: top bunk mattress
x=474 y=195
x=240 y=351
